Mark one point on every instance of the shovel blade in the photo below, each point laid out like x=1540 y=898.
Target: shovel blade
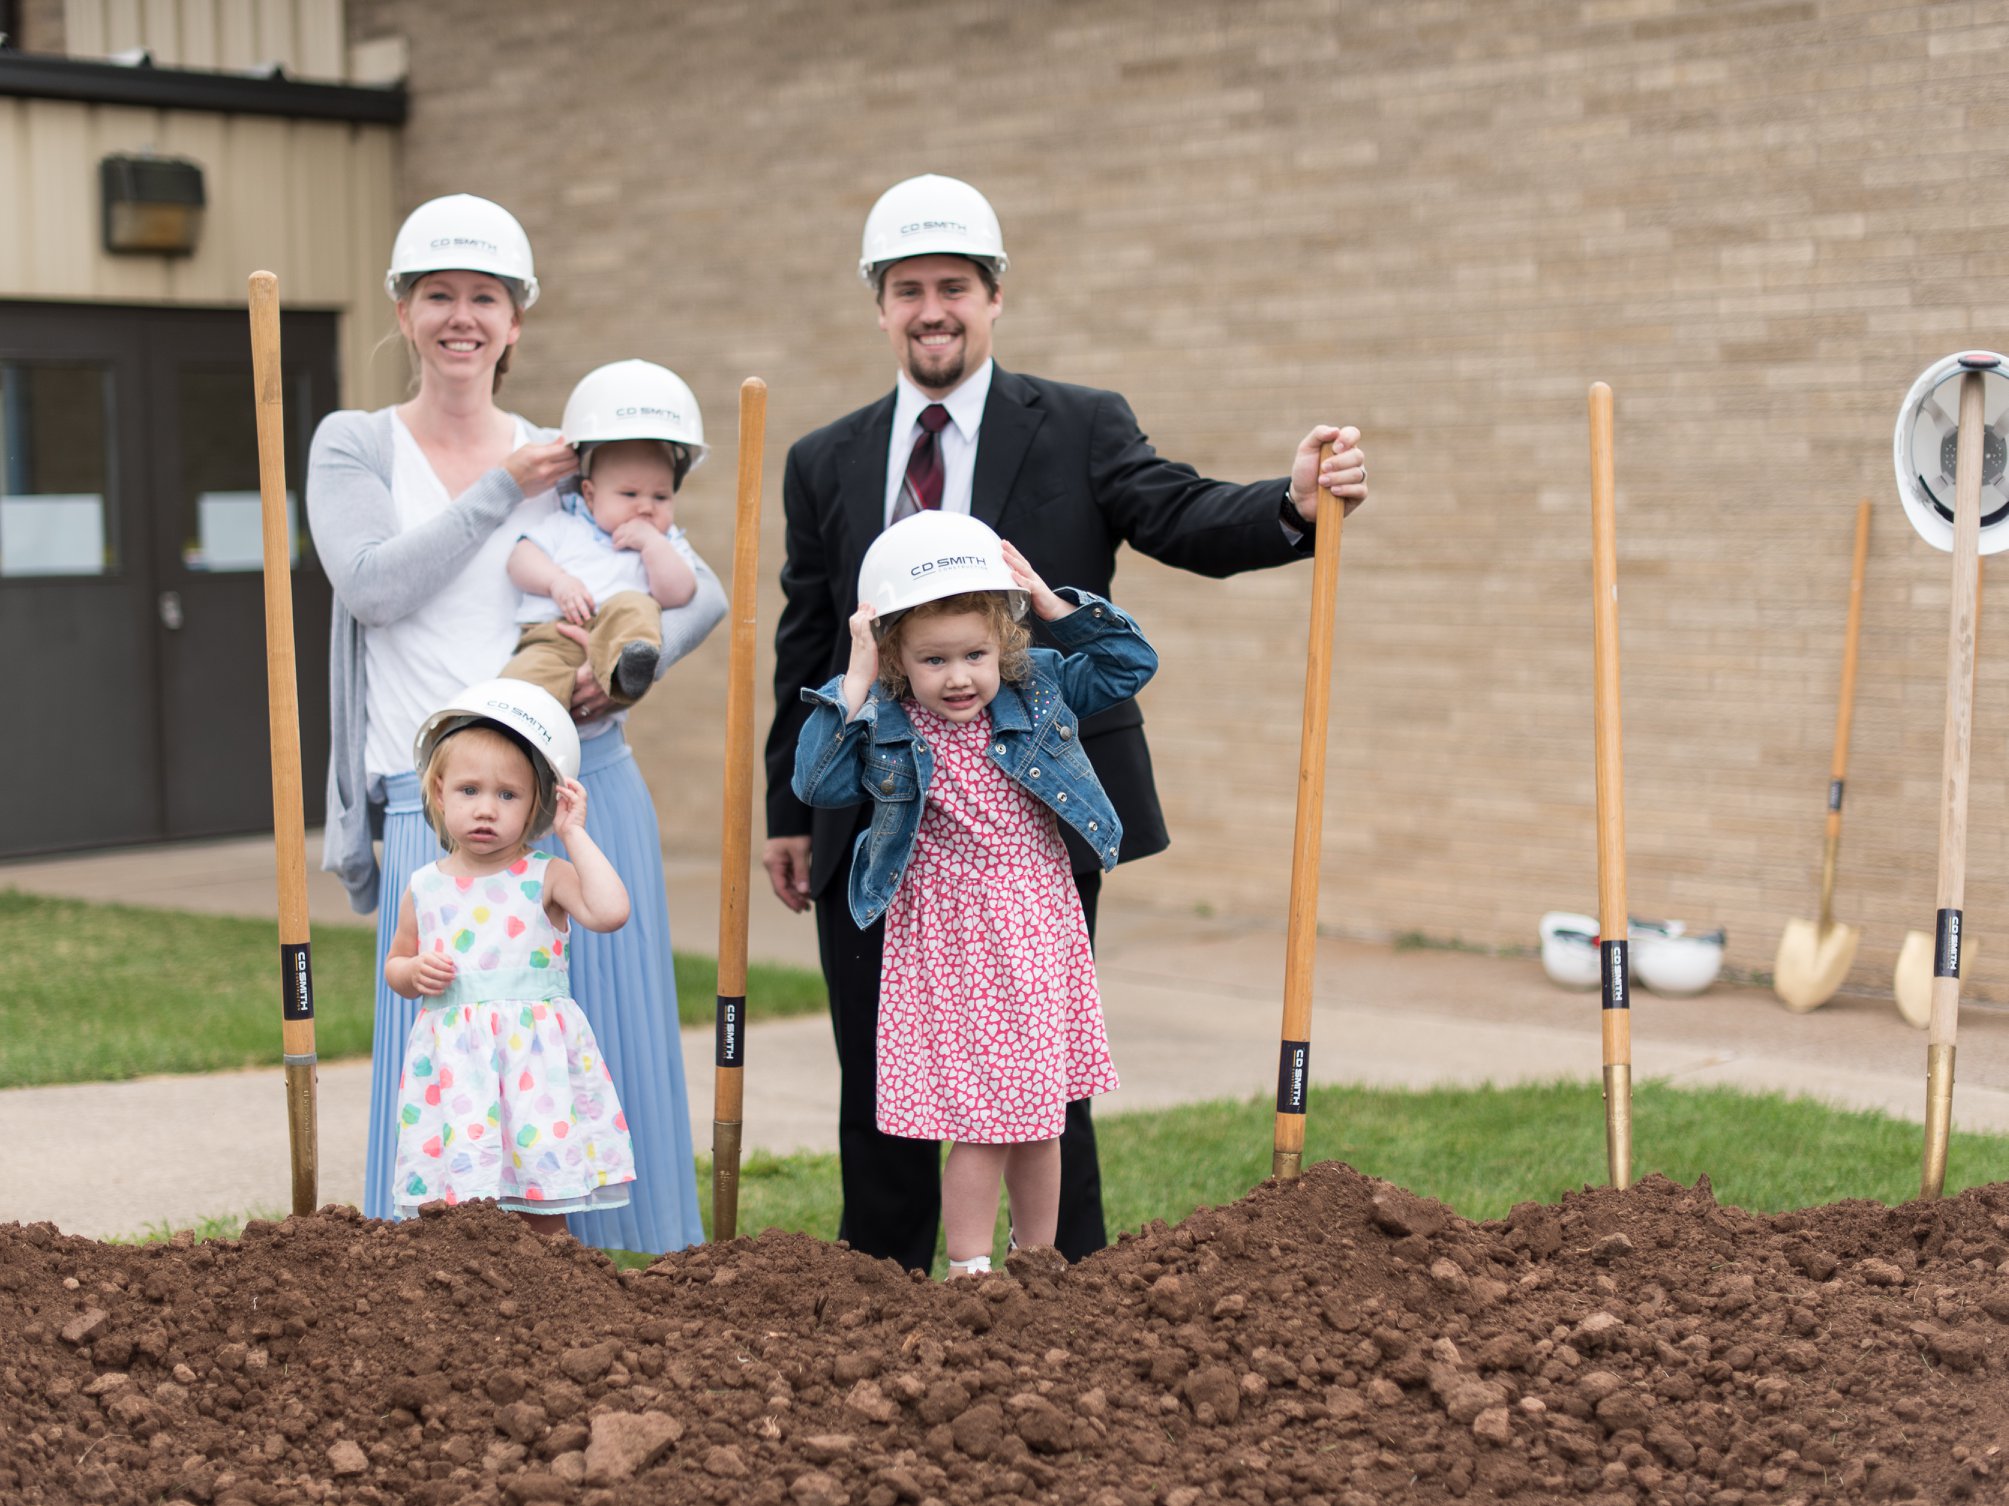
x=1811 y=964
x=1912 y=982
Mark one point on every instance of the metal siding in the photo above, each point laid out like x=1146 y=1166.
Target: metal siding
x=322 y=51
x=274 y=20
x=313 y=201
x=198 y=34
x=236 y=34
x=14 y=229
x=84 y=28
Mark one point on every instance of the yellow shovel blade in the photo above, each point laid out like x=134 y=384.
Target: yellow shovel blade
x=1912 y=982
x=1810 y=966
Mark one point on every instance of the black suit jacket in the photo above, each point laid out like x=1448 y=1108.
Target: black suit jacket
x=1065 y=474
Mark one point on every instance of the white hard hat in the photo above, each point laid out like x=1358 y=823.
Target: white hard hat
x=927 y=216
x=931 y=555
x=1927 y=441
x=530 y=711
x=461 y=233
x=635 y=400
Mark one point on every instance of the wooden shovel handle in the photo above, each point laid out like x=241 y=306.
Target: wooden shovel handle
x=282 y=695
x=736 y=831
x=1844 y=715
x=1301 y=936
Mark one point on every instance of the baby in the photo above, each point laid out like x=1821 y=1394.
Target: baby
x=610 y=561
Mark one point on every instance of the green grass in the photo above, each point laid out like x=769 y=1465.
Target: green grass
x=100 y=992
x=1482 y=1150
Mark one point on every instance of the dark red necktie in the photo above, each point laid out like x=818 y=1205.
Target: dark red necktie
x=922 y=490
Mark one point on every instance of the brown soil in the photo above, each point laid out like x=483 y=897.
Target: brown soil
x=1336 y=1340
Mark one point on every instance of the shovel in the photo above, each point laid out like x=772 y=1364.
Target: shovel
x=1911 y=981
x=1814 y=956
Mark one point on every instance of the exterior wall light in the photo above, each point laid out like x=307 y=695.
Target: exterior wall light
x=153 y=205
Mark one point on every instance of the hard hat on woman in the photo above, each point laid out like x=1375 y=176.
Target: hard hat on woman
x=462 y=233
x=931 y=555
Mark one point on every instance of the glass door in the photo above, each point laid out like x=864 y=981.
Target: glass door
x=131 y=593
x=209 y=566
x=76 y=600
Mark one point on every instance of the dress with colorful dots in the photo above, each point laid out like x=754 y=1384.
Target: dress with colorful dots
x=989 y=1019
x=504 y=1093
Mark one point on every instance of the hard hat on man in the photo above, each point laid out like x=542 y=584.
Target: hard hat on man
x=926 y=216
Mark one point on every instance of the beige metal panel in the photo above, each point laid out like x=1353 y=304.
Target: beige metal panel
x=318 y=157
x=60 y=204
x=236 y=33
x=14 y=229
x=120 y=128
x=198 y=34
x=207 y=276
x=373 y=372
x=160 y=30
x=124 y=29
x=276 y=43
x=84 y=28
x=320 y=48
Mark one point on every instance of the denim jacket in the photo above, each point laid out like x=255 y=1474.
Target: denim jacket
x=1035 y=738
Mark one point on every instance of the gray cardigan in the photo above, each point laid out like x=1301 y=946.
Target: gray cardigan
x=381 y=574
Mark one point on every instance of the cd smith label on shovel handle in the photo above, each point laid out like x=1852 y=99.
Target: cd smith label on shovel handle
x=1293 y=1076
x=296 y=981
x=1946 y=948
x=1616 y=971
x=731 y=1020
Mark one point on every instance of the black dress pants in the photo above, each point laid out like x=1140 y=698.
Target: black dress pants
x=893 y=1185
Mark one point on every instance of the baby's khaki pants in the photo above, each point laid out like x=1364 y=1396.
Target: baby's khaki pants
x=546 y=657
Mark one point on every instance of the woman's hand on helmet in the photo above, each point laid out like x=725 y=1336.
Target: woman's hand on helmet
x=539 y=467
x=864 y=667
x=1045 y=603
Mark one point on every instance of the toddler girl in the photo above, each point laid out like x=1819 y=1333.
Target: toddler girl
x=968 y=739
x=504 y=1094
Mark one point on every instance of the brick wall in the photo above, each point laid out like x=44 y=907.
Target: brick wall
x=1757 y=221
x=41 y=23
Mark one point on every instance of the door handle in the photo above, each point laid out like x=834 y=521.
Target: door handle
x=170 y=611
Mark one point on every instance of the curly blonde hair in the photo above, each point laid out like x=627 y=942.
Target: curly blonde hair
x=431 y=778
x=1014 y=640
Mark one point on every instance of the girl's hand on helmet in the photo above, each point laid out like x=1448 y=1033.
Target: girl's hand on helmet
x=864 y=667
x=571 y=813
x=1045 y=604
x=539 y=467
x=573 y=599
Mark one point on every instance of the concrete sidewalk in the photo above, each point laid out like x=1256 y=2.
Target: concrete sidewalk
x=1192 y=1005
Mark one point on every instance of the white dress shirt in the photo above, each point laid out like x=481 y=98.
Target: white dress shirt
x=958 y=438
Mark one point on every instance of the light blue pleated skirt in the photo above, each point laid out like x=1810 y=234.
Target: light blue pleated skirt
x=622 y=980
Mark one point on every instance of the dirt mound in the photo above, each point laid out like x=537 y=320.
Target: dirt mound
x=1335 y=1340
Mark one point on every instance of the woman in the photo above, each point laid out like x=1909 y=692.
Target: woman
x=414 y=510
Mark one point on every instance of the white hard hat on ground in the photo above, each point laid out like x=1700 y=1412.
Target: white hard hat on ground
x=931 y=555
x=1928 y=437
x=929 y=216
x=527 y=710
x=462 y=233
x=634 y=400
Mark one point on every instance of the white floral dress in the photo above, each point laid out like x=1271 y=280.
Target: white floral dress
x=504 y=1093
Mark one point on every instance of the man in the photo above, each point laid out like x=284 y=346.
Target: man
x=1065 y=474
